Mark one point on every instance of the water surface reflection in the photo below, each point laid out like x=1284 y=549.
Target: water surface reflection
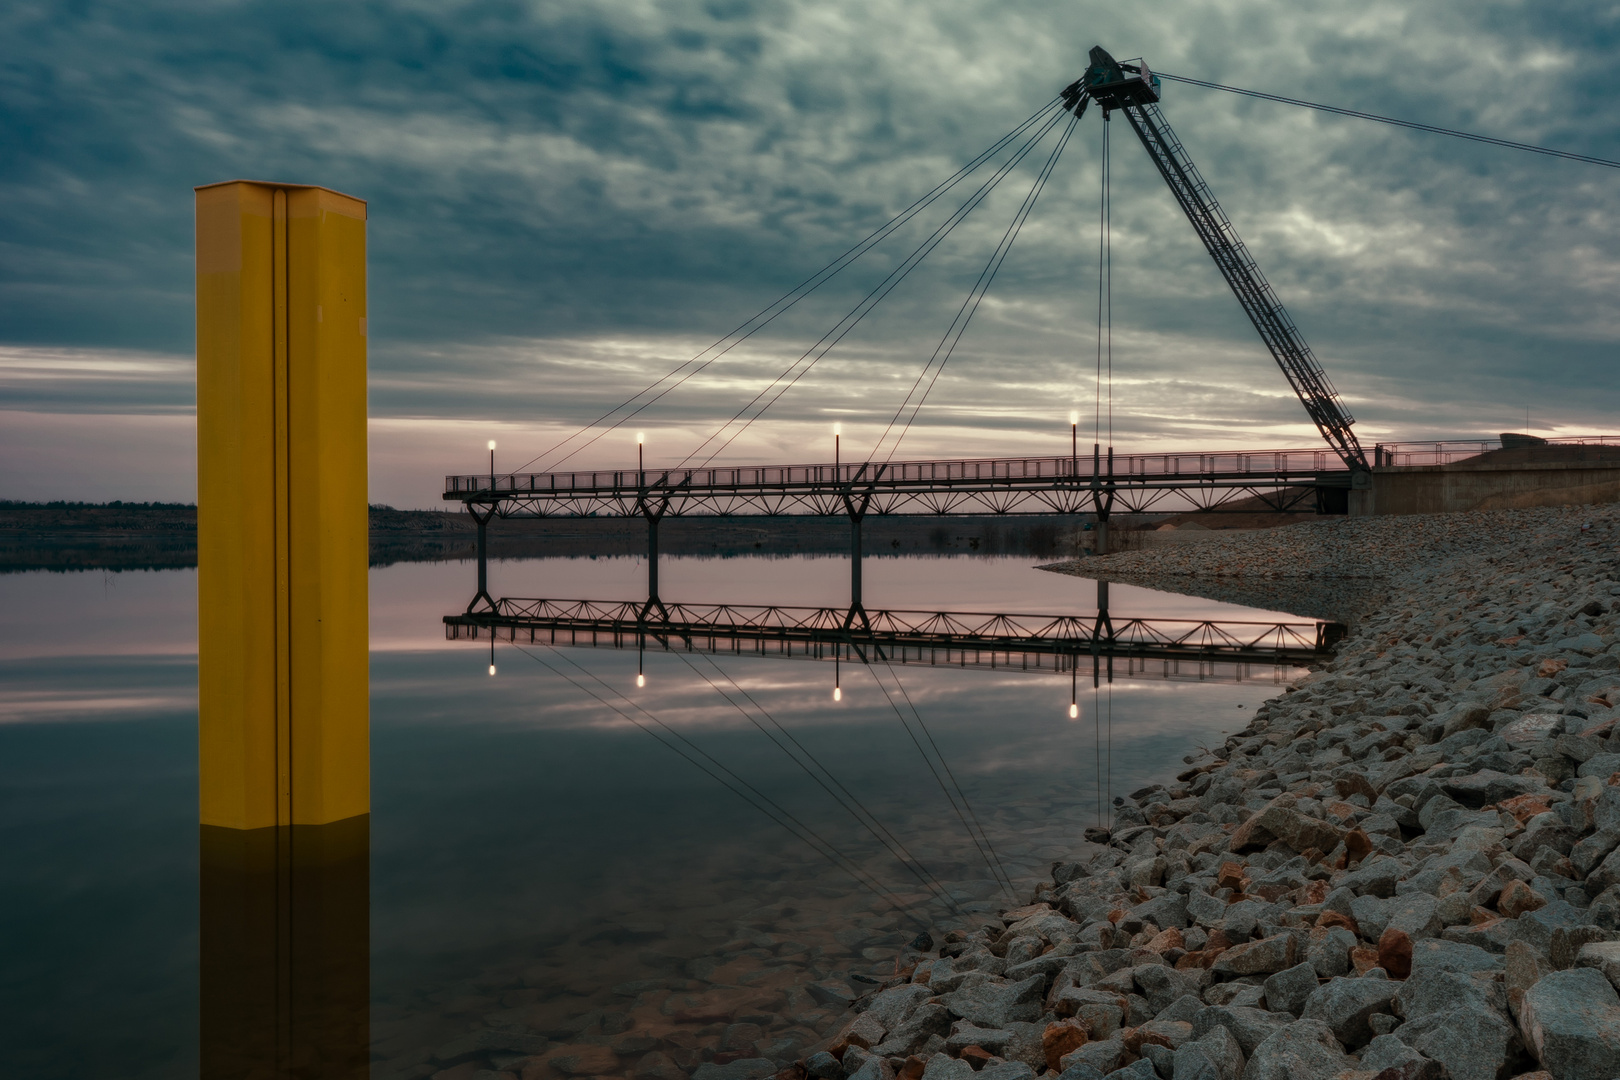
x=543 y=872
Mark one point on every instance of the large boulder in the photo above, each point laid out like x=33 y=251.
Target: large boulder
x=1304 y=1050
x=997 y=1004
x=1347 y=1005
x=1261 y=957
x=1458 y=1020
x=1250 y=1027
x=1215 y=1056
x=1288 y=990
x=1278 y=821
x=1571 y=1019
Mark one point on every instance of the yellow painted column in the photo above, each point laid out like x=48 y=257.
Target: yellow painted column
x=281 y=506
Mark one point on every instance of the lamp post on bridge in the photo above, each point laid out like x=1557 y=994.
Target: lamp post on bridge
x=838 y=432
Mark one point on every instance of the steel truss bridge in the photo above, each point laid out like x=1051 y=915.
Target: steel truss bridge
x=1136 y=483
x=1167 y=648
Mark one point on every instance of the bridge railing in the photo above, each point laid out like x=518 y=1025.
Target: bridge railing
x=901 y=473
x=1445 y=452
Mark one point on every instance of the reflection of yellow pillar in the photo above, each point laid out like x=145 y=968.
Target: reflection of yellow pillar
x=281 y=505
x=284 y=931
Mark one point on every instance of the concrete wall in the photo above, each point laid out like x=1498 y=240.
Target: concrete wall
x=1442 y=489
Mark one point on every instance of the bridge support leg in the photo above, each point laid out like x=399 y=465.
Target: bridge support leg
x=652 y=557
x=855 y=561
x=483 y=560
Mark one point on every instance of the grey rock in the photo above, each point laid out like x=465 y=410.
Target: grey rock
x=996 y=1005
x=1438 y=955
x=906 y=1039
x=1257 y=957
x=1459 y=1021
x=1590 y=852
x=865 y=1030
x=1165 y=911
x=1388 y=1052
x=1602 y=956
x=1536 y=928
x=1025 y=1045
x=1602 y=765
x=1162 y=985
x=1140 y=1069
x=964 y=1035
x=1184 y=1008
x=1080 y=1070
x=1215 y=1056
x=822 y=1065
x=1571 y=1021
x=754 y=1068
x=1330 y=955
x=942 y=1067
x=1541 y=832
x=1249 y=1026
x=1246 y=995
x=1414 y=914
x=1488 y=786
x=1103 y=1056
x=1204 y=909
x=1375 y=877
x=1007 y=1070
x=1346 y=1004
x=1289 y=989
x=891 y=1007
x=1304 y=1050
x=1162 y=1057
x=656 y=1065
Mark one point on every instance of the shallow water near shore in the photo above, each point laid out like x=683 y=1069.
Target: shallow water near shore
x=537 y=859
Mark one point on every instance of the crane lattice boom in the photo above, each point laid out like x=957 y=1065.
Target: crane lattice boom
x=1134 y=90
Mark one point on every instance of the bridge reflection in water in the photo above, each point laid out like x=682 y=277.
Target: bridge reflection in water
x=1109 y=646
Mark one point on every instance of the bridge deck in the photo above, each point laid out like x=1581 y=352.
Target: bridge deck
x=854 y=633
x=1023 y=485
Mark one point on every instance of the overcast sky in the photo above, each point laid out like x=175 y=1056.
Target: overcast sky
x=567 y=199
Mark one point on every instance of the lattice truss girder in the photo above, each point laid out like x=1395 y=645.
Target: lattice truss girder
x=1069 y=634
x=1101 y=666
x=1280 y=494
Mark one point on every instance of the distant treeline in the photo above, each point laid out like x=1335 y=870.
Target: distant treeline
x=124 y=535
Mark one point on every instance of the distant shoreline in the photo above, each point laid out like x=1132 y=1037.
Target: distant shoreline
x=163 y=536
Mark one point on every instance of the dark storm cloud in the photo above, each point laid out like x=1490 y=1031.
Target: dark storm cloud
x=568 y=197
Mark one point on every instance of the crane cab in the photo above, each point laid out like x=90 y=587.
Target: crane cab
x=1114 y=85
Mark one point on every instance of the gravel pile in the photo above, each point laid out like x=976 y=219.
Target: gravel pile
x=1407 y=867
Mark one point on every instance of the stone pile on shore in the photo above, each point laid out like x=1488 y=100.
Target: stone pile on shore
x=1406 y=868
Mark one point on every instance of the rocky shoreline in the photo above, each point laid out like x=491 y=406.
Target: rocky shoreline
x=1405 y=868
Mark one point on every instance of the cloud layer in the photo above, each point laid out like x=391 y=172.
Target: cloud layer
x=567 y=199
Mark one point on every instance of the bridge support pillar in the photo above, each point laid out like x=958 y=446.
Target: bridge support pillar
x=483 y=559
x=652 y=556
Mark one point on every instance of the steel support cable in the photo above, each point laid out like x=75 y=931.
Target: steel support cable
x=736 y=784
x=983 y=854
x=1412 y=124
x=961 y=794
x=868 y=302
x=970 y=303
x=879 y=831
x=788 y=299
x=1102 y=243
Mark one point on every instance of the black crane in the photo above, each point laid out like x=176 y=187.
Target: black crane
x=1134 y=90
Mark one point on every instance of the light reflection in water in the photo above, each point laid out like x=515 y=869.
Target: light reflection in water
x=531 y=850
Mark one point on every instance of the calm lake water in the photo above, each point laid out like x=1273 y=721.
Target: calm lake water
x=539 y=862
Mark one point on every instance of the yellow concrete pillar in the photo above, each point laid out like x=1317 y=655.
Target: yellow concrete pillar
x=281 y=505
